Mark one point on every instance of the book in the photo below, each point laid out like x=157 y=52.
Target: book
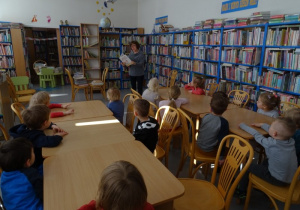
x=125 y=59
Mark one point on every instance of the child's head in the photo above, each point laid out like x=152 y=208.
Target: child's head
x=282 y=128
x=268 y=101
x=36 y=117
x=219 y=103
x=41 y=97
x=141 y=107
x=153 y=84
x=294 y=114
x=113 y=94
x=199 y=82
x=16 y=154
x=121 y=187
x=173 y=95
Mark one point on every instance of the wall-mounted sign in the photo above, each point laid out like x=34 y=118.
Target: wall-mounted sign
x=238 y=5
x=161 y=20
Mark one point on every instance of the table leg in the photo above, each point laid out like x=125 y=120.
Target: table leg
x=62 y=79
x=164 y=206
x=91 y=90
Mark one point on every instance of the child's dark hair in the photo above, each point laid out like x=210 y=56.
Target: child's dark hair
x=173 y=95
x=35 y=116
x=270 y=100
x=136 y=44
x=142 y=107
x=219 y=102
x=199 y=82
x=121 y=187
x=14 y=154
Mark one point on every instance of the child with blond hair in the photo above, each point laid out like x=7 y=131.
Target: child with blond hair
x=197 y=85
x=151 y=93
x=115 y=104
x=268 y=104
x=174 y=100
x=121 y=187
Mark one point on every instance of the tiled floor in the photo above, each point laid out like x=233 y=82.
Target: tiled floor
x=258 y=201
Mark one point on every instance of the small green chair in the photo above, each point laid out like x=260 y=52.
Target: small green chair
x=47 y=75
x=21 y=84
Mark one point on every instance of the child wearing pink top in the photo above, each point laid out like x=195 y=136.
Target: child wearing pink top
x=197 y=86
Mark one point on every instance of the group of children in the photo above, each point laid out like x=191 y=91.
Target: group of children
x=21 y=159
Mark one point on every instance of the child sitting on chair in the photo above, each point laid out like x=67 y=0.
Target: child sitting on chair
x=268 y=104
x=281 y=163
x=42 y=97
x=146 y=130
x=197 y=85
x=115 y=104
x=151 y=94
x=36 y=120
x=174 y=100
x=21 y=185
x=121 y=187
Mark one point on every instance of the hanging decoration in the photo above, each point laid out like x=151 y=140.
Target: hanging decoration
x=48 y=19
x=34 y=19
x=106 y=7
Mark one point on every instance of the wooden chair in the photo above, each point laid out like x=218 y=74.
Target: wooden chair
x=153 y=109
x=285 y=105
x=190 y=149
x=37 y=64
x=167 y=126
x=13 y=95
x=211 y=88
x=100 y=84
x=18 y=108
x=289 y=194
x=5 y=133
x=47 y=75
x=129 y=122
x=171 y=78
x=76 y=88
x=239 y=97
x=200 y=194
x=21 y=85
x=135 y=93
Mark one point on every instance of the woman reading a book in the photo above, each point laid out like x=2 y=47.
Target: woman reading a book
x=136 y=67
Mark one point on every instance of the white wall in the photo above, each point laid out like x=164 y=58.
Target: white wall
x=75 y=11
x=183 y=13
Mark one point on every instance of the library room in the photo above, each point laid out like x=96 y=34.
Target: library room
x=143 y=105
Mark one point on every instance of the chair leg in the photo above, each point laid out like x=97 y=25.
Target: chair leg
x=91 y=93
x=86 y=92
x=248 y=195
x=182 y=161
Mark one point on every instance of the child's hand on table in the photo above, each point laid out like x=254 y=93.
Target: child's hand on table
x=65 y=106
x=56 y=129
x=257 y=125
x=68 y=112
x=61 y=133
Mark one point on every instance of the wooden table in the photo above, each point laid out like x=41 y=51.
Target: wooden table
x=237 y=116
x=106 y=130
x=71 y=179
x=83 y=110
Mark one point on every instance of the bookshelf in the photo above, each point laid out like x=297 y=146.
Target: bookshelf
x=90 y=51
x=40 y=46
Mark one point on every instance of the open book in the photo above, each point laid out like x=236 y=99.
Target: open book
x=125 y=59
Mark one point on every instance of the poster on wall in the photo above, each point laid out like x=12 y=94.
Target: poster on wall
x=238 y=5
x=161 y=20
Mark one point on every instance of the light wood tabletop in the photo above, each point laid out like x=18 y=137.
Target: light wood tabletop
x=87 y=133
x=237 y=116
x=82 y=110
x=198 y=104
x=71 y=179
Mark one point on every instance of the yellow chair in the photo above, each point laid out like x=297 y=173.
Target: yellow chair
x=167 y=126
x=21 y=85
x=153 y=109
x=100 y=84
x=190 y=149
x=129 y=113
x=289 y=194
x=13 y=95
x=76 y=88
x=211 y=88
x=47 y=75
x=135 y=93
x=171 y=78
x=239 y=97
x=6 y=135
x=285 y=105
x=18 y=108
x=200 y=194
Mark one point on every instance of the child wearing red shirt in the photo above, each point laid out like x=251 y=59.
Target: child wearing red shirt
x=197 y=86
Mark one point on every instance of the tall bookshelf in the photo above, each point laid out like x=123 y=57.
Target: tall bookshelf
x=7 y=61
x=90 y=49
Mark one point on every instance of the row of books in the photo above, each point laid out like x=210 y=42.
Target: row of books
x=163 y=70
x=163 y=81
x=183 y=38
x=226 y=87
x=162 y=60
x=162 y=50
x=182 y=51
x=5 y=35
x=85 y=31
x=205 y=68
x=110 y=64
x=279 y=36
x=126 y=84
x=125 y=75
x=247 y=55
x=207 y=38
x=72 y=61
x=40 y=48
x=6 y=49
x=140 y=39
x=253 y=36
x=110 y=53
x=183 y=77
x=282 y=58
x=114 y=75
x=69 y=31
x=183 y=64
x=165 y=39
x=70 y=51
x=206 y=53
x=88 y=54
x=74 y=69
x=110 y=42
x=70 y=41
x=6 y=62
x=289 y=98
x=239 y=73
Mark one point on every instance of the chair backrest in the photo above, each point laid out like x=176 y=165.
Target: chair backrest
x=211 y=88
x=239 y=97
x=18 y=108
x=295 y=184
x=240 y=152
x=5 y=133
x=167 y=125
x=130 y=112
x=11 y=89
x=285 y=105
x=153 y=109
x=104 y=74
x=21 y=82
x=135 y=93
x=70 y=78
x=47 y=73
x=172 y=78
x=39 y=63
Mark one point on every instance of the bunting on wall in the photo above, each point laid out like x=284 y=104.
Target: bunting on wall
x=40 y=39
